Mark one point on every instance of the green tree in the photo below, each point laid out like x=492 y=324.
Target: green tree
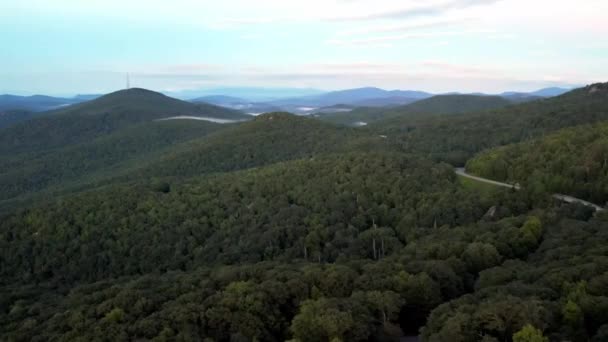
x=529 y=334
x=480 y=256
x=321 y=320
x=572 y=313
x=115 y=316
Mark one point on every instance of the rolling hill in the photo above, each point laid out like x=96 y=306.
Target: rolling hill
x=436 y=105
x=457 y=138
x=85 y=121
x=35 y=103
x=176 y=148
x=68 y=168
x=94 y=141
x=302 y=214
x=550 y=92
x=571 y=161
x=268 y=139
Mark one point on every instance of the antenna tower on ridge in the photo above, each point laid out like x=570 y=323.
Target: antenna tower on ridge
x=128 y=81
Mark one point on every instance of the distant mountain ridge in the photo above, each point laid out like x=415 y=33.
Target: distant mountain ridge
x=257 y=94
x=545 y=92
x=35 y=103
x=357 y=97
x=351 y=96
x=259 y=100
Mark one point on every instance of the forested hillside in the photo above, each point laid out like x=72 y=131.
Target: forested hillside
x=357 y=211
x=11 y=117
x=178 y=149
x=345 y=247
x=83 y=122
x=96 y=140
x=24 y=174
x=289 y=228
x=270 y=138
x=571 y=161
x=457 y=138
x=436 y=105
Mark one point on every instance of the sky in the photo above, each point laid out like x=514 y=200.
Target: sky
x=61 y=47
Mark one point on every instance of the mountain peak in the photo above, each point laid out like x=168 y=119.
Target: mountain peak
x=134 y=92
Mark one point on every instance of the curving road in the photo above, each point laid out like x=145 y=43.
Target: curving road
x=564 y=198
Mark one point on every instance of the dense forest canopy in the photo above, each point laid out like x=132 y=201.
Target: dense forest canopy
x=178 y=148
x=13 y=116
x=571 y=161
x=290 y=228
x=455 y=139
x=25 y=174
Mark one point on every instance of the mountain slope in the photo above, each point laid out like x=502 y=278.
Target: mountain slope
x=237 y=196
x=373 y=242
x=11 y=117
x=440 y=104
x=305 y=217
x=385 y=101
x=101 y=116
x=141 y=104
x=457 y=138
x=550 y=92
x=268 y=139
x=174 y=148
x=455 y=104
x=25 y=175
x=350 y=96
x=35 y=103
x=571 y=161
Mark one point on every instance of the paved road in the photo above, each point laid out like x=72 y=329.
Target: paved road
x=565 y=198
x=461 y=172
x=202 y=118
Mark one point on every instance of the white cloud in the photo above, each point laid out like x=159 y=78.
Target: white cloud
x=431 y=75
x=409 y=26
x=404 y=36
x=420 y=9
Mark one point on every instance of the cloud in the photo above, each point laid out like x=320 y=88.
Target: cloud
x=460 y=70
x=415 y=11
x=404 y=36
x=405 y=27
x=354 y=11
x=433 y=75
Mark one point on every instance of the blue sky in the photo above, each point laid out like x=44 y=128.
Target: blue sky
x=67 y=47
